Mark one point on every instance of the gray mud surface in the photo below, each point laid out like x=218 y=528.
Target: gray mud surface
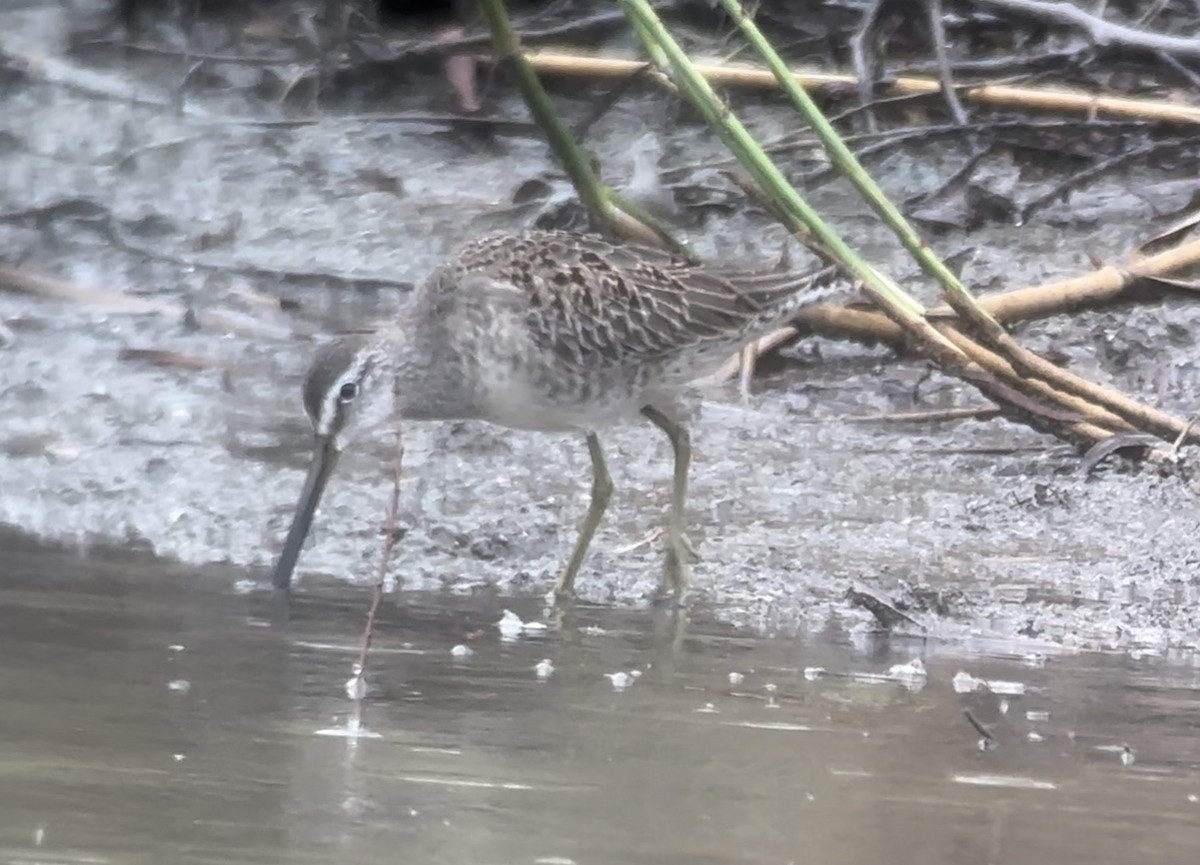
x=792 y=503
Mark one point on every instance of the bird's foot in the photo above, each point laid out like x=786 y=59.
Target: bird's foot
x=563 y=591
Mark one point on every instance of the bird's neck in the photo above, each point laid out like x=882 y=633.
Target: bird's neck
x=426 y=369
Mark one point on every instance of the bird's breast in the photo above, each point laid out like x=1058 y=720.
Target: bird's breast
x=551 y=397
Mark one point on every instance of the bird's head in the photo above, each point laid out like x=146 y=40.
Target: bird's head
x=344 y=395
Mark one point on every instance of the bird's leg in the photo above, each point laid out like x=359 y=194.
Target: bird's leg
x=602 y=488
x=679 y=548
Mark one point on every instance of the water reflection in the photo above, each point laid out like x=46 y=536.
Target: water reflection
x=155 y=715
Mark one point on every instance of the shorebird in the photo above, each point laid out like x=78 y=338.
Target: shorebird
x=550 y=331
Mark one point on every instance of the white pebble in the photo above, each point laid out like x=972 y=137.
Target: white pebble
x=510 y=625
x=620 y=681
x=965 y=683
x=912 y=675
x=1000 y=686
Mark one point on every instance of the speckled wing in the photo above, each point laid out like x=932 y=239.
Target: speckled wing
x=596 y=303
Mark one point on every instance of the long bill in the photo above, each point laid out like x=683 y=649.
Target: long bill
x=325 y=457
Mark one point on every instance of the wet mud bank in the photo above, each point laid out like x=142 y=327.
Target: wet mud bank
x=165 y=417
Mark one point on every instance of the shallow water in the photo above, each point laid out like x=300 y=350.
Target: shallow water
x=212 y=213
x=154 y=714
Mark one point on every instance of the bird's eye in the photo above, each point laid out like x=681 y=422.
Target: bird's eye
x=348 y=391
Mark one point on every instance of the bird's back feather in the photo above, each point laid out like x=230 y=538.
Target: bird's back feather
x=596 y=303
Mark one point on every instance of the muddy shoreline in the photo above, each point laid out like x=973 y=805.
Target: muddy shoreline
x=792 y=503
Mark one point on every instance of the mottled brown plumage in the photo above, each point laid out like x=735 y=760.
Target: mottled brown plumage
x=596 y=302
x=552 y=331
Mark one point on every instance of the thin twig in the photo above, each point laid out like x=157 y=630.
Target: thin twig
x=389 y=545
x=937 y=32
x=1104 y=166
x=861 y=55
x=940 y=415
x=1100 y=31
x=1182 y=437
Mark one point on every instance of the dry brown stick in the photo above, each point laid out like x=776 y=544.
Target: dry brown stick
x=1027 y=364
x=41 y=285
x=111 y=301
x=870 y=327
x=1085 y=422
x=747 y=362
x=1039 y=98
x=847 y=322
x=1090 y=289
x=167 y=359
x=1088 y=422
x=1069 y=415
x=1105 y=285
x=742 y=364
x=940 y=415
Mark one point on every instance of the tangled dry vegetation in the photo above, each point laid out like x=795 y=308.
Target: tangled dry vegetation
x=1041 y=100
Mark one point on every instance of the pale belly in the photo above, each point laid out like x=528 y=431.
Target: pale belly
x=543 y=393
x=520 y=405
